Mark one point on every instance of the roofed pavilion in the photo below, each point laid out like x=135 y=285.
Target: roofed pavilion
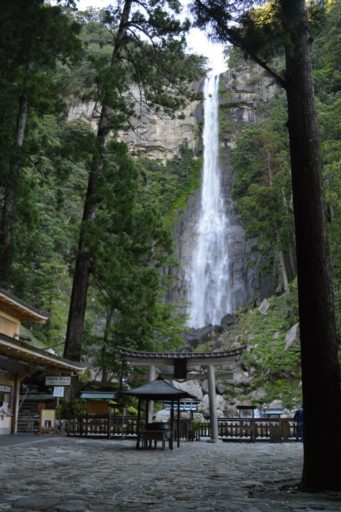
x=158 y=389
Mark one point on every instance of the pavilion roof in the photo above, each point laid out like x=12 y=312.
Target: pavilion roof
x=158 y=389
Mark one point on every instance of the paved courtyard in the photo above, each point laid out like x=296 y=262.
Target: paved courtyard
x=59 y=474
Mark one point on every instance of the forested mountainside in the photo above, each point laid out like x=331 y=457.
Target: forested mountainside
x=131 y=237
x=140 y=198
x=260 y=160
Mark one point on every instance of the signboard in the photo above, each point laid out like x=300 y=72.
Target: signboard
x=5 y=389
x=57 y=380
x=58 y=391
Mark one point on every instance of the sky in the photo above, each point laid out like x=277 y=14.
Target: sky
x=197 y=40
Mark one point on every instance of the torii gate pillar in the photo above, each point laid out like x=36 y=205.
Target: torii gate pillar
x=152 y=376
x=212 y=402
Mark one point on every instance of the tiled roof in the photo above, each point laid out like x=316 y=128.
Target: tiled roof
x=136 y=354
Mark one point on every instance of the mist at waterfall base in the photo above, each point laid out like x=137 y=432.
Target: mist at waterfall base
x=208 y=276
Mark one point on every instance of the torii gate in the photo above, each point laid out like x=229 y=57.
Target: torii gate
x=180 y=362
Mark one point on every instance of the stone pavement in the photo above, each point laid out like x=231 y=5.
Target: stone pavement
x=60 y=474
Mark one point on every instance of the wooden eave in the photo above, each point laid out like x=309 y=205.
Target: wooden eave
x=18 y=309
x=23 y=352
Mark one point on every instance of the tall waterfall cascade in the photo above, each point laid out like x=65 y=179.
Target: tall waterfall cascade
x=208 y=274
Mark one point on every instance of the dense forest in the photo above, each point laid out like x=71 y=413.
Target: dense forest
x=46 y=161
x=262 y=181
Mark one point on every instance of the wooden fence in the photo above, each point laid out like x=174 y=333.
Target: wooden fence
x=229 y=429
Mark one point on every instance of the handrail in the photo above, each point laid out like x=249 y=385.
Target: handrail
x=264 y=429
x=24 y=398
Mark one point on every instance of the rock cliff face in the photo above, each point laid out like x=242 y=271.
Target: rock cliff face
x=244 y=95
x=156 y=135
x=151 y=134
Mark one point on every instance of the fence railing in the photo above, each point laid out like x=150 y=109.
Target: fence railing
x=229 y=429
x=101 y=425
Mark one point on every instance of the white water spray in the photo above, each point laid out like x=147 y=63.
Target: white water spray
x=208 y=275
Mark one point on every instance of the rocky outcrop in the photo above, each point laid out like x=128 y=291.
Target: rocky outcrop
x=245 y=92
x=151 y=134
x=293 y=336
x=264 y=307
x=157 y=135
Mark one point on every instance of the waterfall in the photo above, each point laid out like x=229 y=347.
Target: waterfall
x=209 y=294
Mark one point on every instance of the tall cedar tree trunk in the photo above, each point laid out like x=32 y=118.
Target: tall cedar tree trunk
x=319 y=356
x=74 y=334
x=11 y=186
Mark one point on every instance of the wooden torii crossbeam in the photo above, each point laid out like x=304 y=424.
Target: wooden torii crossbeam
x=180 y=361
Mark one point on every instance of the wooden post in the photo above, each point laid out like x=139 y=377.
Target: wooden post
x=15 y=403
x=151 y=402
x=171 y=425
x=138 y=424
x=109 y=423
x=178 y=425
x=212 y=400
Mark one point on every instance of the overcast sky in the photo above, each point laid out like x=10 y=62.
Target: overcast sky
x=197 y=40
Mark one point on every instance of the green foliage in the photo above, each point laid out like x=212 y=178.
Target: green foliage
x=129 y=245
x=167 y=185
x=262 y=185
x=69 y=410
x=272 y=367
x=129 y=240
x=263 y=200
x=327 y=64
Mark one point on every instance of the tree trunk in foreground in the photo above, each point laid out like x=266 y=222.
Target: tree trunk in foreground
x=12 y=180
x=74 y=335
x=319 y=355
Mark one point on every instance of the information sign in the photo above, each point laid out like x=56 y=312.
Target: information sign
x=57 y=380
x=58 y=391
x=5 y=389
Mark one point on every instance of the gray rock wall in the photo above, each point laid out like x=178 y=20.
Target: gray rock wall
x=151 y=134
x=244 y=95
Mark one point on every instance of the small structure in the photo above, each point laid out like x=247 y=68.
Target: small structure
x=158 y=389
x=246 y=411
x=276 y=432
x=97 y=402
x=18 y=358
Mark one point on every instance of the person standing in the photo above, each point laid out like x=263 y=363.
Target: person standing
x=298 y=417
